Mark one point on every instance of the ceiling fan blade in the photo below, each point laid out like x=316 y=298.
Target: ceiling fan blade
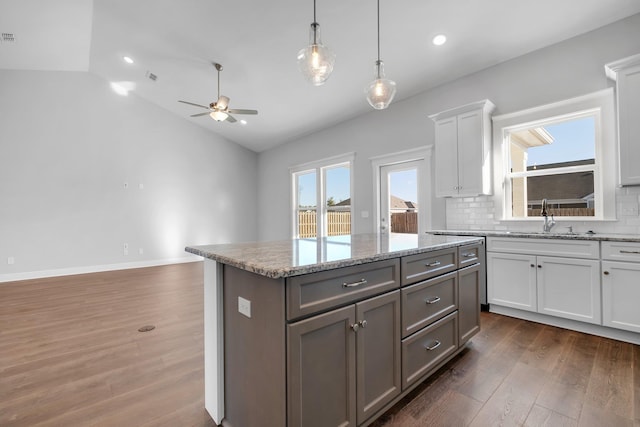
x=195 y=105
x=231 y=119
x=199 y=114
x=240 y=111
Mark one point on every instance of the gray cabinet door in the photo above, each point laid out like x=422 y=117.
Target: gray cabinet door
x=321 y=383
x=378 y=353
x=469 y=280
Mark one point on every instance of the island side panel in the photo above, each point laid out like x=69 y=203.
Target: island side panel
x=213 y=341
x=254 y=349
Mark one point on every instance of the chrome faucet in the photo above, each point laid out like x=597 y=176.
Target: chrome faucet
x=548 y=225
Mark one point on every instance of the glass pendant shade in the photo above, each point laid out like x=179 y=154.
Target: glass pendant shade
x=316 y=60
x=219 y=116
x=381 y=91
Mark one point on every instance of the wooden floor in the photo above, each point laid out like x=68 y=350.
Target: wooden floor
x=71 y=355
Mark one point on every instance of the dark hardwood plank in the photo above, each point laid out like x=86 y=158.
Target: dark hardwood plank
x=70 y=354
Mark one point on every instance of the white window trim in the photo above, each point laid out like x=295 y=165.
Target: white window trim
x=424 y=195
x=605 y=149
x=320 y=167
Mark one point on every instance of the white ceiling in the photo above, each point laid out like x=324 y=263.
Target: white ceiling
x=257 y=41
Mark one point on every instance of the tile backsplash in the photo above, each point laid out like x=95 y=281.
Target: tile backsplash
x=480 y=213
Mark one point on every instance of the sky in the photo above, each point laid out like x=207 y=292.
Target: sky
x=573 y=140
x=402 y=183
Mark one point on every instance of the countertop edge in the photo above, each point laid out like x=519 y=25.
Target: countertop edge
x=539 y=235
x=278 y=273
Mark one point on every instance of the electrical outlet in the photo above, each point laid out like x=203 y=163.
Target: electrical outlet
x=141 y=251
x=125 y=249
x=126 y=185
x=244 y=306
x=11 y=260
x=141 y=186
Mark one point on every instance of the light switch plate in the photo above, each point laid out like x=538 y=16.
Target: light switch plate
x=244 y=306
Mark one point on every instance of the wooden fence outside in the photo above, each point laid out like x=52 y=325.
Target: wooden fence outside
x=404 y=222
x=563 y=212
x=339 y=223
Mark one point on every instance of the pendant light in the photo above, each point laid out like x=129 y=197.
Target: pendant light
x=381 y=90
x=316 y=60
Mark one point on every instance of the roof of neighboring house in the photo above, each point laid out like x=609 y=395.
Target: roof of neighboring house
x=398 y=203
x=564 y=186
x=394 y=203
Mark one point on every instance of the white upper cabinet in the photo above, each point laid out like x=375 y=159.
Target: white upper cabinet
x=463 y=150
x=626 y=73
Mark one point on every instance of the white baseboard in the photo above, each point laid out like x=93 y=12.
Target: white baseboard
x=13 y=277
x=574 y=325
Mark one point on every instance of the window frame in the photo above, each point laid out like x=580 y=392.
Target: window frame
x=601 y=106
x=320 y=167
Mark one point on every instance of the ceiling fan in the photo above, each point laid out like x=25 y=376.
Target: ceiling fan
x=219 y=110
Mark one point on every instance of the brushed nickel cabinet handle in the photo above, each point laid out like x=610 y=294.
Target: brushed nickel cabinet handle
x=354 y=284
x=629 y=252
x=355 y=327
x=432 y=300
x=433 y=264
x=468 y=255
x=363 y=324
x=433 y=345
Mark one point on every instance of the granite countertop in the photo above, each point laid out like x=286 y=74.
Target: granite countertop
x=541 y=235
x=302 y=256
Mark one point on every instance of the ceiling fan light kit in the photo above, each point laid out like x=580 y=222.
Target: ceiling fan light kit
x=219 y=110
x=316 y=60
x=381 y=90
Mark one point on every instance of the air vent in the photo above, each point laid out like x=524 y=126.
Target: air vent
x=152 y=76
x=8 y=38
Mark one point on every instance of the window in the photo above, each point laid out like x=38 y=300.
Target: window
x=562 y=152
x=554 y=160
x=321 y=195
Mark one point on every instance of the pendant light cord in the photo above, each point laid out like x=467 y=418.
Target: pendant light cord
x=378 y=30
x=315 y=23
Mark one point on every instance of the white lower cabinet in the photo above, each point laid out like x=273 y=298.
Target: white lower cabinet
x=511 y=280
x=523 y=277
x=621 y=285
x=569 y=288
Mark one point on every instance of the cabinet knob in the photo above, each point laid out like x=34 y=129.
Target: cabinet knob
x=355 y=327
x=363 y=324
x=606 y=273
x=533 y=265
x=539 y=266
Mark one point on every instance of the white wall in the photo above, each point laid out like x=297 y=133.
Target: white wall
x=565 y=70
x=68 y=144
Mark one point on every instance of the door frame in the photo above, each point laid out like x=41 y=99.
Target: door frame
x=424 y=187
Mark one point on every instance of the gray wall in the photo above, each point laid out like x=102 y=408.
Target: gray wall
x=567 y=69
x=68 y=144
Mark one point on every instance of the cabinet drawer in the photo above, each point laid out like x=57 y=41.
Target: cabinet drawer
x=552 y=247
x=423 y=351
x=621 y=251
x=427 y=301
x=312 y=293
x=430 y=264
x=469 y=254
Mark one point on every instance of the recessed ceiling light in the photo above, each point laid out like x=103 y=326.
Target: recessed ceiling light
x=127 y=59
x=243 y=122
x=439 y=40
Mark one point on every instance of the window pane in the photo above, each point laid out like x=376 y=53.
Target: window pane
x=567 y=194
x=307 y=204
x=552 y=147
x=403 y=189
x=338 y=200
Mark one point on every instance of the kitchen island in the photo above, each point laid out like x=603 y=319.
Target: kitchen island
x=333 y=331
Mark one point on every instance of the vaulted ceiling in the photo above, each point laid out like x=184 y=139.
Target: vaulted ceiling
x=257 y=41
